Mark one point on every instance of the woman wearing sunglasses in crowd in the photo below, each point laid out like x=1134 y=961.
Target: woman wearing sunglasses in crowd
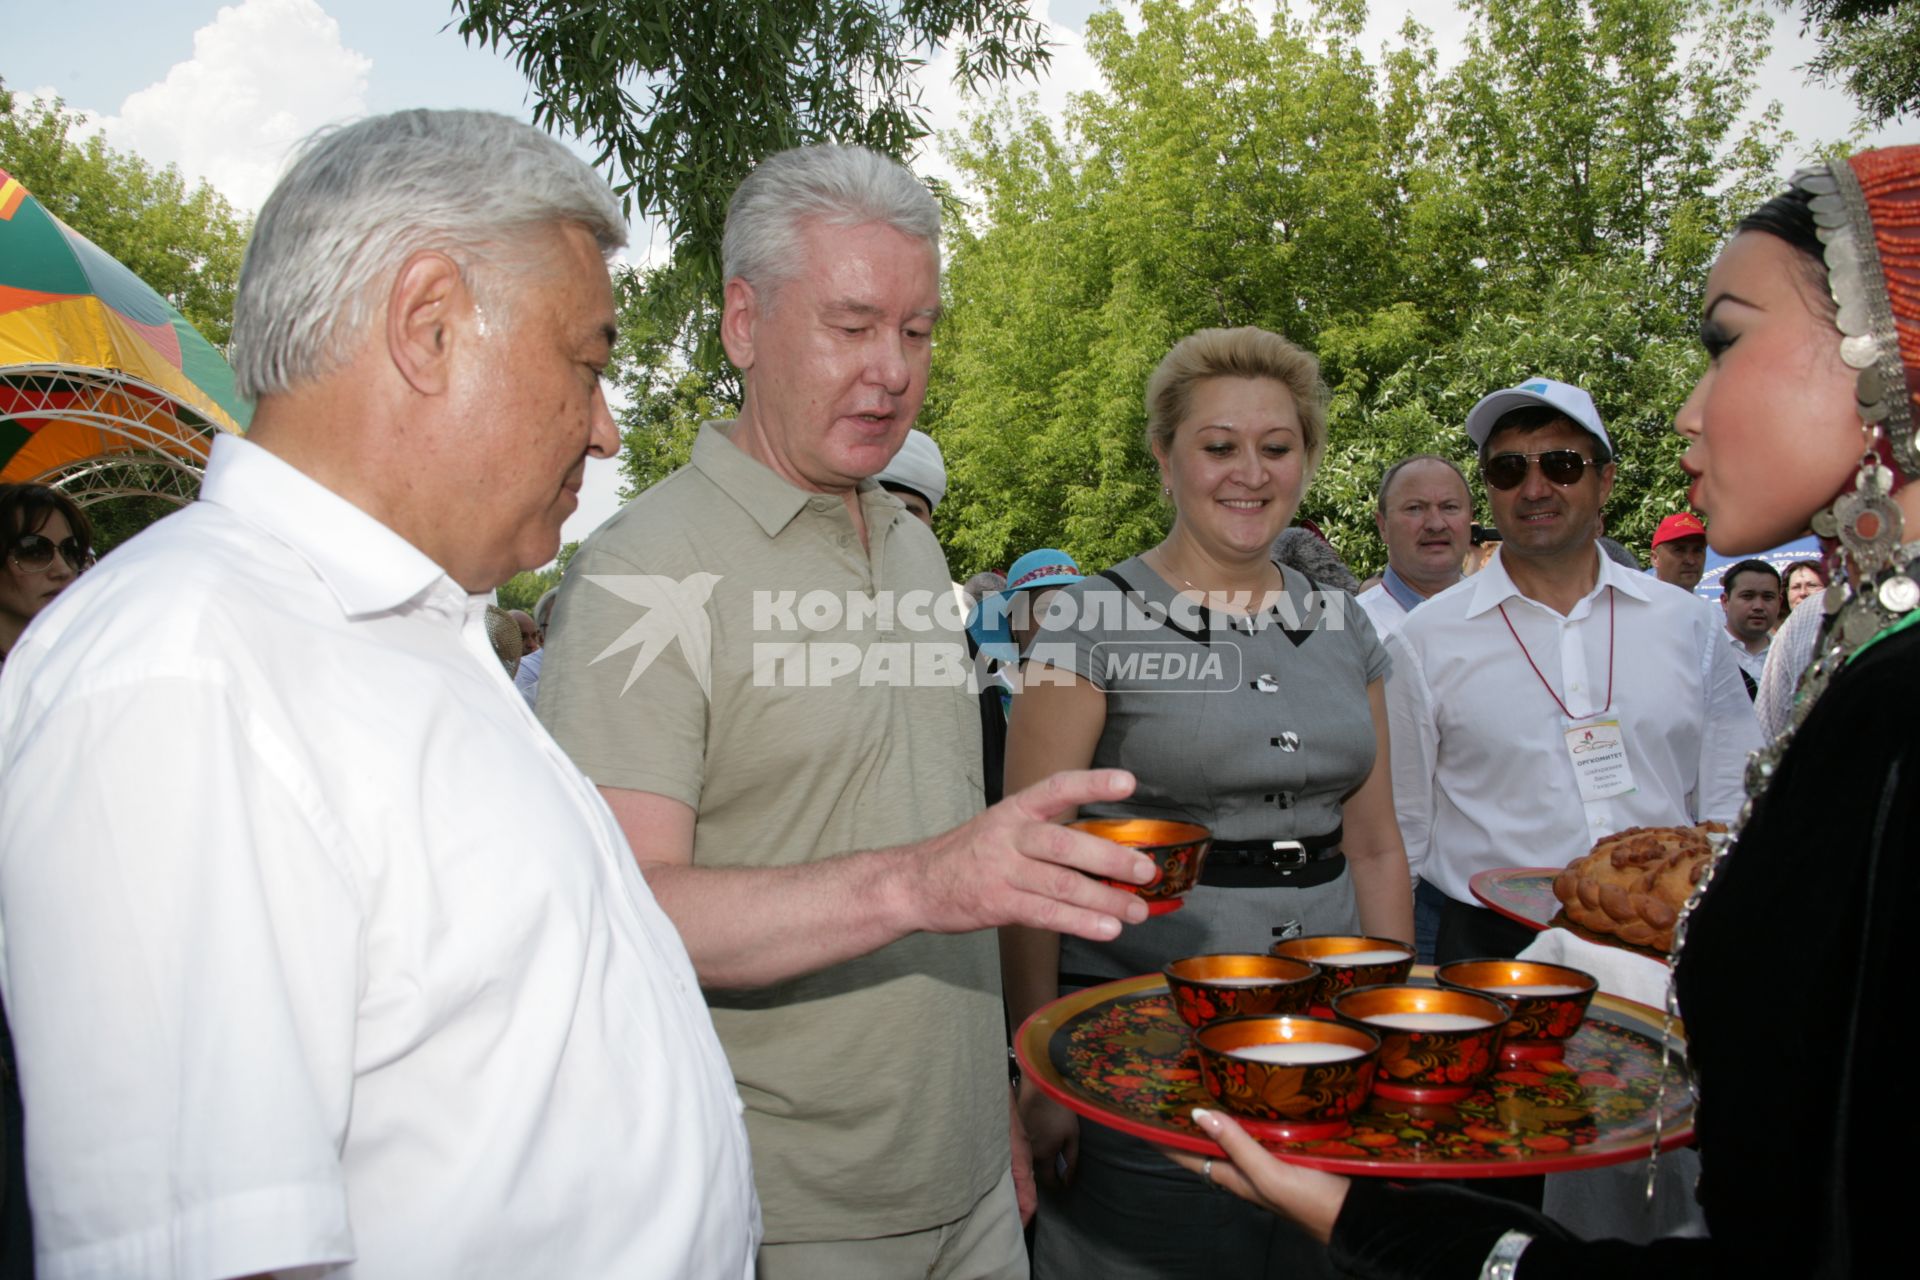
x=1790 y=974
x=47 y=544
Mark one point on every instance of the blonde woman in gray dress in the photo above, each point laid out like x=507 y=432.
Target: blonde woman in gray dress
x=1243 y=696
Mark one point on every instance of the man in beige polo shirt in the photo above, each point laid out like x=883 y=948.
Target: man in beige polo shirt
x=760 y=663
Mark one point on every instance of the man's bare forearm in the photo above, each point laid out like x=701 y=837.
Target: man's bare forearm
x=1012 y=864
x=755 y=926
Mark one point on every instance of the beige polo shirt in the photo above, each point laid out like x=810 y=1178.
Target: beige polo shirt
x=726 y=640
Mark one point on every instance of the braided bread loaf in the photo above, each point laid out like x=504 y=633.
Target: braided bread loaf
x=1634 y=882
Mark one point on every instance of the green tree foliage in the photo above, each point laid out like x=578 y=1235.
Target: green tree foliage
x=666 y=396
x=1548 y=207
x=114 y=520
x=186 y=243
x=1871 y=48
x=524 y=589
x=684 y=97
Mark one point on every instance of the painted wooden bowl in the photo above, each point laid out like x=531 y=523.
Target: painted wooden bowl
x=1209 y=988
x=1435 y=1042
x=1288 y=1076
x=1549 y=1001
x=1347 y=961
x=1178 y=850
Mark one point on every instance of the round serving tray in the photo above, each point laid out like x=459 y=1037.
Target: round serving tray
x=1120 y=1056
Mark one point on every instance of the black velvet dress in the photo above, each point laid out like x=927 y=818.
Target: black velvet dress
x=1802 y=1010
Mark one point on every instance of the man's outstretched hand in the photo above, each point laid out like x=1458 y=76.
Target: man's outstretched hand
x=1016 y=864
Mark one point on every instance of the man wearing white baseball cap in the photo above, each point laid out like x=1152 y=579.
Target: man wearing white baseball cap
x=917 y=476
x=1554 y=697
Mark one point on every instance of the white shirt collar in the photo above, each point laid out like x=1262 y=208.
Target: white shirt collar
x=366 y=565
x=1493 y=588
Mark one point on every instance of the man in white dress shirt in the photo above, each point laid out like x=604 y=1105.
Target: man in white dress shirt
x=1425 y=516
x=321 y=956
x=1554 y=697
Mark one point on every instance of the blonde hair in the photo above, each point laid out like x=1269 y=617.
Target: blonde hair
x=1237 y=353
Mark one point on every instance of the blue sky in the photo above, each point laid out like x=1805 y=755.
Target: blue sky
x=224 y=91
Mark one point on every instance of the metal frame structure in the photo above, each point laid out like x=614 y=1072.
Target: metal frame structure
x=159 y=448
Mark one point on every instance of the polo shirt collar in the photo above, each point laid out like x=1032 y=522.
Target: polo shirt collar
x=1403 y=595
x=1493 y=588
x=366 y=565
x=771 y=501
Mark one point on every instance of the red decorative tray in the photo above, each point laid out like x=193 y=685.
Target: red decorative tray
x=1524 y=895
x=1119 y=1055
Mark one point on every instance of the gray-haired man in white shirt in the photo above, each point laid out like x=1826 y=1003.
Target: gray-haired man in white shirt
x=288 y=988
x=1554 y=697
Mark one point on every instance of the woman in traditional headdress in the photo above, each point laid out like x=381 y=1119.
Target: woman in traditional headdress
x=1791 y=971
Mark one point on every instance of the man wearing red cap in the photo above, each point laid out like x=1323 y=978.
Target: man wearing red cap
x=1680 y=550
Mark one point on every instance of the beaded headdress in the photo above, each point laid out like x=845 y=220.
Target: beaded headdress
x=1866 y=212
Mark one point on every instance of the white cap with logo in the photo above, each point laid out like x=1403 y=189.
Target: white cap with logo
x=1570 y=400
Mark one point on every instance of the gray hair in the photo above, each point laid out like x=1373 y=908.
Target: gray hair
x=361 y=199
x=543 y=607
x=1305 y=550
x=982 y=584
x=1613 y=551
x=840 y=186
x=1386 y=479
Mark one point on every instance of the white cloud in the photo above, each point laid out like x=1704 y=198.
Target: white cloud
x=264 y=74
x=1071 y=71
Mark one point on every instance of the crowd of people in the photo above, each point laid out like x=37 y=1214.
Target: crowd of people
x=677 y=927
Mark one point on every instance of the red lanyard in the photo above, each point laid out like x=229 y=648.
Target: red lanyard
x=1613 y=608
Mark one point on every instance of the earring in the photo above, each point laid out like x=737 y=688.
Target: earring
x=1866 y=519
x=1869 y=525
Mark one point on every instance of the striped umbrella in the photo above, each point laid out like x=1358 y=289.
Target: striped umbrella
x=96 y=369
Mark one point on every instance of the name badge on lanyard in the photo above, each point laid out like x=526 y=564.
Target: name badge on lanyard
x=1598 y=750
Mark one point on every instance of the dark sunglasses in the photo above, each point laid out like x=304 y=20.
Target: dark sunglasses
x=1506 y=470
x=34 y=552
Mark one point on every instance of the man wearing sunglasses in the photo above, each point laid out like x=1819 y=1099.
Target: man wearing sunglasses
x=1555 y=697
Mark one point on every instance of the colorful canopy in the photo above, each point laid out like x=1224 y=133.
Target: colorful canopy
x=96 y=368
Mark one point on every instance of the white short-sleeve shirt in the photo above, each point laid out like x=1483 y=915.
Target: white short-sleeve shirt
x=317 y=950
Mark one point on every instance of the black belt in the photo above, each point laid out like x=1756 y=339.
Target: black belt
x=1263 y=864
